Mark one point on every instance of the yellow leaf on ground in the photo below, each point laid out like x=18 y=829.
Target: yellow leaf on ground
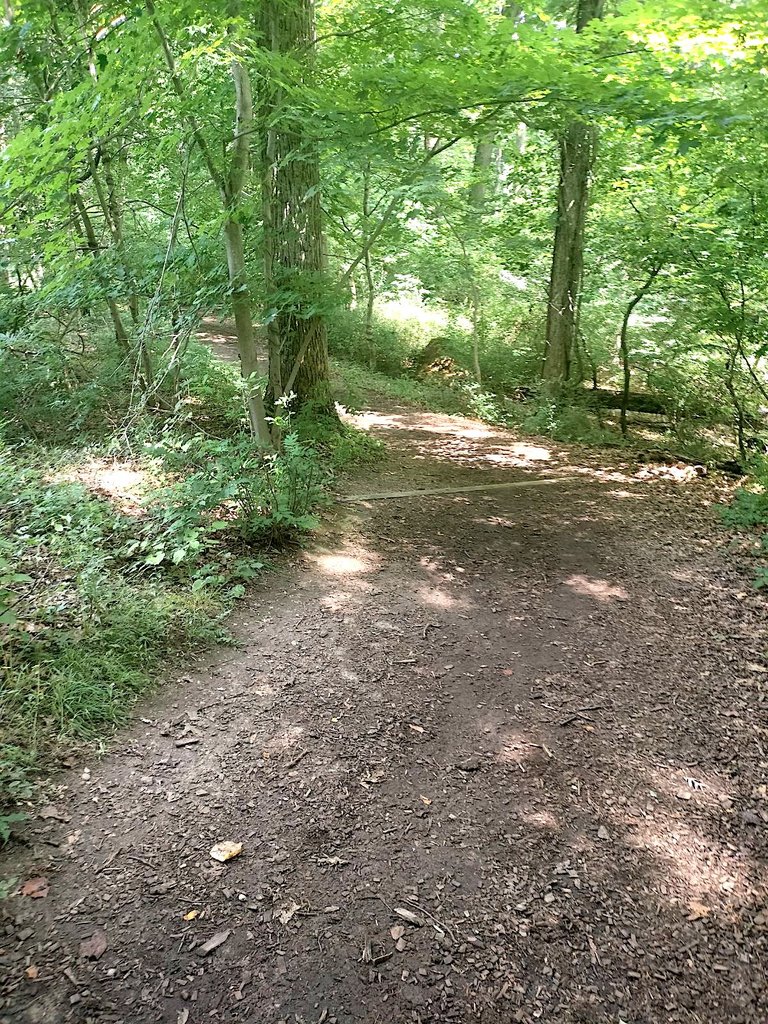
x=698 y=911
x=226 y=851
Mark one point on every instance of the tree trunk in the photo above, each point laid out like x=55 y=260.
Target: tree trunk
x=246 y=336
x=369 y=284
x=230 y=183
x=624 y=347
x=293 y=225
x=115 y=205
x=577 y=150
x=121 y=335
x=481 y=164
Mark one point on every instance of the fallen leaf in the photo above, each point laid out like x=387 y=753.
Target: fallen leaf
x=32 y=972
x=698 y=911
x=287 y=913
x=191 y=915
x=226 y=851
x=35 y=887
x=409 y=916
x=93 y=947
x=49 y=811
x=213 y=943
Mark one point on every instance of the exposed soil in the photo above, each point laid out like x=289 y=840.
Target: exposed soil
x=533 y=719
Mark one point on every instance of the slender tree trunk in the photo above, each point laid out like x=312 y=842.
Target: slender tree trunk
x=369 y=307
x=115 y=207
x=481 y=165
x=112 y=213
x=577 y=150
x=230 y=184
x=477 y=326
x=293 y=224
x=121 y=335
x=738 y=408
x=624 y=347
x=370 y=288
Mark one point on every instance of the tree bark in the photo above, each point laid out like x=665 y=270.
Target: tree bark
x=293 y=222
x=481 y=164
x=369 y=282
x=577 y=151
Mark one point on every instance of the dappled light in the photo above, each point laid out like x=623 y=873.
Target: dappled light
x=383 y=513
x=126 y=485
x=342 y=565
x=601 y=590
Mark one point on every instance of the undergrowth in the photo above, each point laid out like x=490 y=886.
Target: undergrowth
x=126 y=544
x=748 y=511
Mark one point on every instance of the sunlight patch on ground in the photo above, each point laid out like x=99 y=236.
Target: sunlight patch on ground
x=122 y=484
x=369 y=420
x=692 y=862
x=437 y=598
x=600 y=590
x=429 y=422
x=518 y=450
x=346 y=561
x=341 y=565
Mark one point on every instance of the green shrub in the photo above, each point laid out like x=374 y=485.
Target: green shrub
x=748 y=508
x=388 y=350
x=55 y=393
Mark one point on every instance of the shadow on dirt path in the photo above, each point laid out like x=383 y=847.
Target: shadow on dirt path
x=493 y=757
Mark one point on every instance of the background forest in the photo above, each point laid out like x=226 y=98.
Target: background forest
x=552 y=217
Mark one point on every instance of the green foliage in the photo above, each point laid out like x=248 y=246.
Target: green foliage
x=437 y=125
x=748 y=508
x=96 y=594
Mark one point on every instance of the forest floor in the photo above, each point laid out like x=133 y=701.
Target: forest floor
x=492 y=756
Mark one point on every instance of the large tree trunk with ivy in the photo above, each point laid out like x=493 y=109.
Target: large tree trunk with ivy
x=577 y=150
x=293 y=223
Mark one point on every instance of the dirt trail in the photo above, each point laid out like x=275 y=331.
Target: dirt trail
x=533 y=718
